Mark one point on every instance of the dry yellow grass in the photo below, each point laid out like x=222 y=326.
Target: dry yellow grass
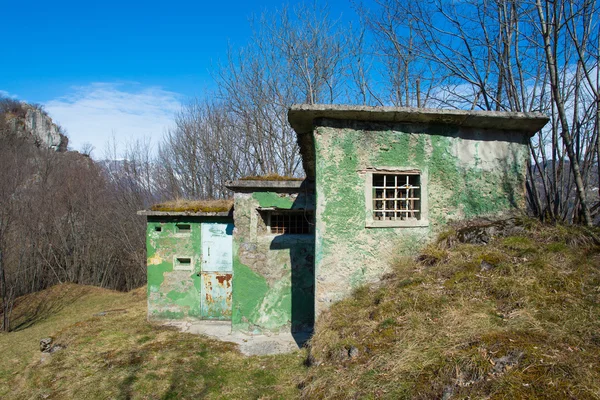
x=112 y=352
x=441 y=329
x=182 y=205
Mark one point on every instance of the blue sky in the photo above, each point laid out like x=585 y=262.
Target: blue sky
x=119 y=68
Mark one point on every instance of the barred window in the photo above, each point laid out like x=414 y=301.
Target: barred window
x=396 y=197
x=291 y=222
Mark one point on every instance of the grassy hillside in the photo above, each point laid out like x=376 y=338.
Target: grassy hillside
x=518 y=317
x=113 y=353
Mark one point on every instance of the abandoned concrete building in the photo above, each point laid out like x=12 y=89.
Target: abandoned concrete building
x=380 y=182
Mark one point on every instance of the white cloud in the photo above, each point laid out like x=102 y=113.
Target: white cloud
x=99 y=111
x=4 y=93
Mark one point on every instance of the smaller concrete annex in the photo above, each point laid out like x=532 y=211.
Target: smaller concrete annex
x=380 y=182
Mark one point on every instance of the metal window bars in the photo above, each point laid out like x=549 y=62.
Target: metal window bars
x=291 y=223
x=396 y=197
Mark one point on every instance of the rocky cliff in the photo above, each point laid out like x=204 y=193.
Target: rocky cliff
x=34 y=122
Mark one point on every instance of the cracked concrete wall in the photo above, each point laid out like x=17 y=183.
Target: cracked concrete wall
x=470 y=173
x=273 y=278
x=172 y=293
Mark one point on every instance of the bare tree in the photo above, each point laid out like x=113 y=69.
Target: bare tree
x=202 y=152
x=297 y=55
x=87 y=148
x=14 y=170
x=509 y=55
x=65 y=218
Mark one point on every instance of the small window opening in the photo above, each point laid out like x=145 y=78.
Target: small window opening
x=184 y=228
x=291 y=223
x=396 y=197
x=182 y=263
x=158 y=229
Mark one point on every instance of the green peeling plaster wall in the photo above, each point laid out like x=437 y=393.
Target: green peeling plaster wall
x=174 y=294
x=273 y=275
x=470 y=173
x=271 y=199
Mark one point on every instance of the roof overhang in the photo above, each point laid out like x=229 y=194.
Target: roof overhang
x=302 y=119
x=247 y=186
x=150 y=213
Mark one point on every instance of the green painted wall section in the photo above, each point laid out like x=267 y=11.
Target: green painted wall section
x=246 y=302
x=273 y=278
x=471 y=173
x=271 y=199
x=260 y=307
x=174 y=294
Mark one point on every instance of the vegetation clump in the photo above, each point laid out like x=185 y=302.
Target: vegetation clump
x=182 y=205
x=517 y=317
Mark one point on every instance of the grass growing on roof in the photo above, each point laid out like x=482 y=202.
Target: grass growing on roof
x=181 y=205
x=270 y=177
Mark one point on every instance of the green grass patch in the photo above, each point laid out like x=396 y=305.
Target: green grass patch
x=516 y=318
x=119 y=355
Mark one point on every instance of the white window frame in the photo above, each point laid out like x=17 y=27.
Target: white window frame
x=424 y=214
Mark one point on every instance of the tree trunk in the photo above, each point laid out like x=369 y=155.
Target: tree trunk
x=560 y=106
x=5 y=297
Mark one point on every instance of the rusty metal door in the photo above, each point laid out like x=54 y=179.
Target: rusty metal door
x=217 y=270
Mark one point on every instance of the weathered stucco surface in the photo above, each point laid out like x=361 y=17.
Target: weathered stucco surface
x=174 y=294
x=273 y=278
x=470 y=172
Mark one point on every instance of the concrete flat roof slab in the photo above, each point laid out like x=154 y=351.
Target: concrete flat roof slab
x=302 y=116
x=268 y=185
x=149 y=213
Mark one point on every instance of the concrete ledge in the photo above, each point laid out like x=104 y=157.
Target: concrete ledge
x=260 y=185
x=249 y=345
x=301 y=117
x=149 y=213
